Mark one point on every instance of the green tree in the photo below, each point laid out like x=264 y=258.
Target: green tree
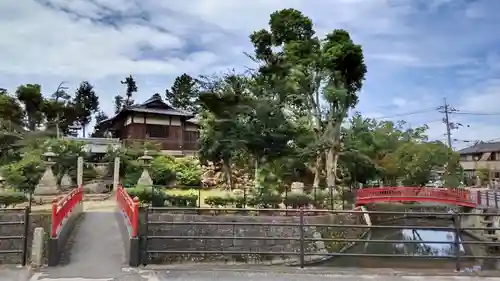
x=118 y=103
x=30 y=96
x=184 y=93
x=316 y=78
x=86 y=103
x=131 y=88
x=98 y=131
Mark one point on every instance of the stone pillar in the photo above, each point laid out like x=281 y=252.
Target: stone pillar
x=48 y=182
x=116 y=173
x=66 y=182
x=37 y=259
x=79 y=172
x=145 y=179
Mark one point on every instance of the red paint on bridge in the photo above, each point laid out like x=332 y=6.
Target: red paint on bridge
x=449 y=196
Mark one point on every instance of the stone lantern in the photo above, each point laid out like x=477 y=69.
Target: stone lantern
x=145 y=179
x=48 y=182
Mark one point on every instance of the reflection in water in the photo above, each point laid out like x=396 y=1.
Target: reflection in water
x=428 y=247
x=441 y=247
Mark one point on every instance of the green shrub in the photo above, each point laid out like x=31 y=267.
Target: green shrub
x=10 y=199
x=182 y=200
x=218 y=201
x=148 y=195
x=187 y=172
x=321 y=200
x=163 y=170
x=297 y=200
x=265 y=200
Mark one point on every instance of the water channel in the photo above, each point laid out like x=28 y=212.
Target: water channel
x=438 y=254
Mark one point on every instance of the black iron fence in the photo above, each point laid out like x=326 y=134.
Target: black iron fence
x=170 y=233
x=14 y=233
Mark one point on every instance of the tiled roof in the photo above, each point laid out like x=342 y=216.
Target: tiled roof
x=481 y=148
x=154 y=105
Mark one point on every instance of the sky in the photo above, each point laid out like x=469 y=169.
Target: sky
x=418 y=52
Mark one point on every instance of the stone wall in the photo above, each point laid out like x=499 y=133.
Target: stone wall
x=258 y=247
x=37 y=219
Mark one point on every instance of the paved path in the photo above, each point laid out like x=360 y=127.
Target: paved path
x=97 y=250
x=182 y=275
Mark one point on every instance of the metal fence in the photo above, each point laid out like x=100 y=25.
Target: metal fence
x=301 y=238
x=16 y=226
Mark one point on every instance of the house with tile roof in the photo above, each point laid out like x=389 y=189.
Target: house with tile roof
x=173 y=130
x=482 y=155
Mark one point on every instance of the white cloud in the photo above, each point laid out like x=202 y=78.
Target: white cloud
x=46 y=41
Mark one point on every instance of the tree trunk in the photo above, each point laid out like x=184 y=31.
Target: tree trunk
x=228 y=175
x=317 y=171
x=83 y=131
x=331 y=170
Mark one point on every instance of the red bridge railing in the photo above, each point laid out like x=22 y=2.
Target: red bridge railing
x=61 y=208
x=455 y=196
x=129 y=208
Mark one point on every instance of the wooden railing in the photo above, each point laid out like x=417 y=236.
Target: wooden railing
x=62 y=208
x=162 y=144
x=129 y=208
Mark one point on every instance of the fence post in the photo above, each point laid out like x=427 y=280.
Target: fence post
x=496 y=199
x=302 y=237
x=135 y=217
x=54 y=222
x=456 y=242
x=26 y=234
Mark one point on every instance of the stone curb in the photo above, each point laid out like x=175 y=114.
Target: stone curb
x=318 y=270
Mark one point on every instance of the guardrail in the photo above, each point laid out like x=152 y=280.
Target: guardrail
x=23 y=250
x=61 y=208
x=489 y=199
x=214 y=246
x=130 y=209
x=456 y=196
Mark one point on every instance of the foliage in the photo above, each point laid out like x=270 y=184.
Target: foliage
x=297 y=200
x=86 y=103
x=158 y=197
x=11 y=199
x=187 y=172
x=98 y=131
x=25 y=174
x=184 y=93
x=121 y=102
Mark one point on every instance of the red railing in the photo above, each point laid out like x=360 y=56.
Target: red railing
x=455 y=196
x=61 y=208
x=129 y=207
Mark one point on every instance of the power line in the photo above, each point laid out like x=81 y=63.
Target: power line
x=407 y=113
x=477 y=113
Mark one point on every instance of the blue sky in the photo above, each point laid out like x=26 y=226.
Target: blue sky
x=417 y=51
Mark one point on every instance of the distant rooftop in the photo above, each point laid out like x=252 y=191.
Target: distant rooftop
x=481 y=147
x=153 y=105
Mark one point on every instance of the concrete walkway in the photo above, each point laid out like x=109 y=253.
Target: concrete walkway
x=97 y=251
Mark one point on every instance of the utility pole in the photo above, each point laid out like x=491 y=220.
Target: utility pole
x=447 y=110
x=447 y=122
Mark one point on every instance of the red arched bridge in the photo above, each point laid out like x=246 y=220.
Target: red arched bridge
x=474 y=198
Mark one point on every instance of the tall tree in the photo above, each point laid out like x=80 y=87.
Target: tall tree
x=316 y=78
x=118 y=103
x=30 y=95
x=131 y=88
x=98 y=132
x=184 y=93
x=86 y=103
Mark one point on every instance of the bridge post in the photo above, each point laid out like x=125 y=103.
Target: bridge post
x=79 y=172
x=116 y=173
